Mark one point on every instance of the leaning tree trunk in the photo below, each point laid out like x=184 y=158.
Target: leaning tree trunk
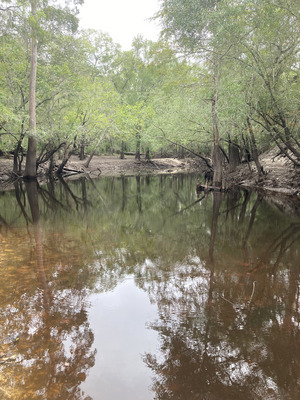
x=51 y=164
x=67 y=155
x=87 y=163
x=30 y=168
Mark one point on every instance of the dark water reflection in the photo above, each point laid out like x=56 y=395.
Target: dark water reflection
x=134 y=288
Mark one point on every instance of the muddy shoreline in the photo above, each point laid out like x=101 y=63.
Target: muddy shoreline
x=106 y=166
x=281 y=180
x=280 y=176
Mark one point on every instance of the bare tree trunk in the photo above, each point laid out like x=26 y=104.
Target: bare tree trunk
x=82 y=152
x=138 y=145
x=217 y=156
x=67 y=155
x=122 y=156
x=254 y=148
x=87 y=163
x=30 y=168
x=147 y=155
x=234 y=156
x=51 y=165
x=17 y=157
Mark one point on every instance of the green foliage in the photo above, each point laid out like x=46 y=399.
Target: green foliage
x=157 y=92
x=254 y=47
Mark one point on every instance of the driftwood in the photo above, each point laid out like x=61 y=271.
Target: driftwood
x=132 y=154
x=69 y=172
x=206 y=188
x=76 y=171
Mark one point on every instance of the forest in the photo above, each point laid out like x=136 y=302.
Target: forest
x=137 y=285
x=221 y=84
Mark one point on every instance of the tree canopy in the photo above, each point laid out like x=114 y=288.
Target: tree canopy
x=224 y=76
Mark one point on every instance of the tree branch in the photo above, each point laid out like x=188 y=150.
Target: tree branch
x=207 y=162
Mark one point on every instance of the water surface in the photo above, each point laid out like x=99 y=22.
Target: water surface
x=138 y=288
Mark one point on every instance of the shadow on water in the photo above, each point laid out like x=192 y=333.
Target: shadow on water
x=222 y=270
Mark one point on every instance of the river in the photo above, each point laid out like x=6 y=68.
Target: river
x=139 y=288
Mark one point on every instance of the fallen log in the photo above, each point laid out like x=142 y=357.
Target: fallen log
x=128 y=153
x=69 y=171
x=73 y=170
x=206 y=188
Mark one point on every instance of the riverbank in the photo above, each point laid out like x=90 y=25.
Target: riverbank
x=281 y=177
x=108 y=166
x=280 y=185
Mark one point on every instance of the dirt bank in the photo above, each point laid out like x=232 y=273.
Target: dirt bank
x=280 y=185
x=108 y=166
x=280 y=178
x=114 y=166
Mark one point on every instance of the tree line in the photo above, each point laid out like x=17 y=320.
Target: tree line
x=221 y=83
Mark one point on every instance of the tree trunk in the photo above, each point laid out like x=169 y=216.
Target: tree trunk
x=82 y=152
x=122 y=156
x=138 y=145
x=30 y=168
x=181 y=152
x=147 y=156
x=67 y=155
x=254 y=148
x=51 y=164
x=277 y=139
x=287 y=141
x=217 y=156
x=234 y=156
x=86 y=165
x=218 y=169
x=112 y=150
x=17 y=159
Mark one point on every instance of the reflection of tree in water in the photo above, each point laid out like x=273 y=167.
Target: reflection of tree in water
x=222 y=273
x=227 y=335
x=55 y=346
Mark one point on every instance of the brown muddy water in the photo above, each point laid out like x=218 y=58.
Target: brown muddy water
x=135 y=288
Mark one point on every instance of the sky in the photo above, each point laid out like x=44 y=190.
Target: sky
x=121 y=19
